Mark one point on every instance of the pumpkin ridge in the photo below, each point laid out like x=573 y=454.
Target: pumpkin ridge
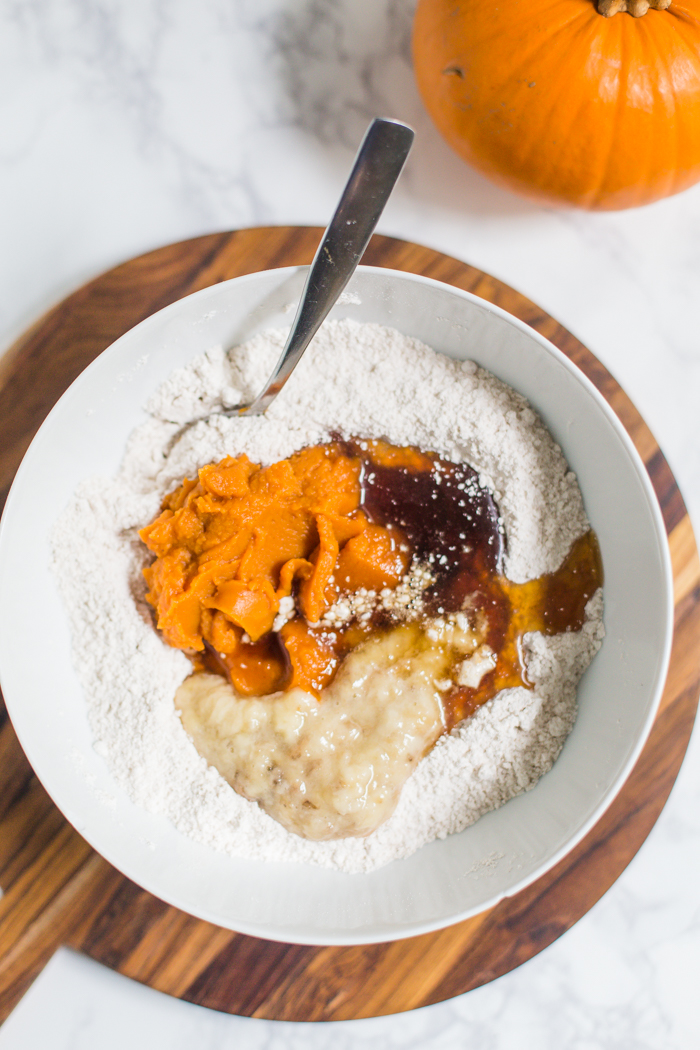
x=587 y=33
x=552 y=31
x=547 y=33
x=654 y=60
x=683 y=15
x=581 y=16
x=543 y=45
x=674 y=139
x=606 y=172
x=684 y=22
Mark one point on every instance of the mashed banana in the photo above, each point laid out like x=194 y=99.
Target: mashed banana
x=333 y=768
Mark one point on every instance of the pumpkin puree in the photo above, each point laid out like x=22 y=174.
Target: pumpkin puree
x=232 y=544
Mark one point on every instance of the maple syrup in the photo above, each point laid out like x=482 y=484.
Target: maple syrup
x=453 y=523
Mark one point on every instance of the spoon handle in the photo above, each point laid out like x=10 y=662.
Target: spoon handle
x=378 y=165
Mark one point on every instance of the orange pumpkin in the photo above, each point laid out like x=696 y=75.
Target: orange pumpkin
x=570 y=101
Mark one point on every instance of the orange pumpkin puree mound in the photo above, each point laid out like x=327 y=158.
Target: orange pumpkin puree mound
x=232 y=544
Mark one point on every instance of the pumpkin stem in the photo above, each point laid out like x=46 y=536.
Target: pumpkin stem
x=608 y=8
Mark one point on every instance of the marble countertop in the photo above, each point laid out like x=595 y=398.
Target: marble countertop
x=128 y=124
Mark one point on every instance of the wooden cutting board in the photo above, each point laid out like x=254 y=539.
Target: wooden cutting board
x=57 y=890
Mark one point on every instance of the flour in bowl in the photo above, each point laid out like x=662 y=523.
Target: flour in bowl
x=354 y=380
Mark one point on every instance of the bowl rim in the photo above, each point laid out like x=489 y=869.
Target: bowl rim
x=349 y=937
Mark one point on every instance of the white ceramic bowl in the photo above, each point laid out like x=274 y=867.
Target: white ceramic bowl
x=446 y=881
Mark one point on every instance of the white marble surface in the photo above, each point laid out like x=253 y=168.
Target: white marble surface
x=125 y=124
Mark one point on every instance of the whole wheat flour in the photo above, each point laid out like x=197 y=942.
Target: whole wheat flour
x=356 y=380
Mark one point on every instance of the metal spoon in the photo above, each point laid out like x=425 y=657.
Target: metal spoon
x=378 y=165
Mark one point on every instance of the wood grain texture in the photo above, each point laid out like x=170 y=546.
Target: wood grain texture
x=57 y=890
